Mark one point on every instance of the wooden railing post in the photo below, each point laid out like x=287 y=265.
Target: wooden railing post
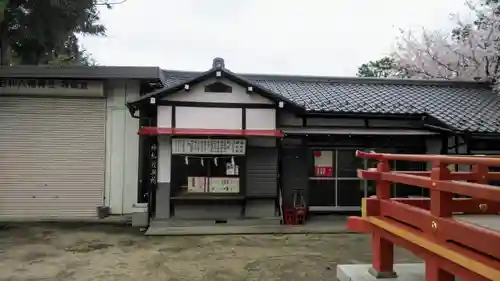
x=441 y=206
x=382 y=249
x=383 y=188
x=480 y=173
x=441 y=201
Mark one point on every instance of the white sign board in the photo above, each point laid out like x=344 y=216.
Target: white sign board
x=197 y=184
x=53 y=87
x=224 y=185
x=209 y=146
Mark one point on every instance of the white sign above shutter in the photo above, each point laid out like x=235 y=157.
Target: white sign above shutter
x=209 y=146
x=53 y=87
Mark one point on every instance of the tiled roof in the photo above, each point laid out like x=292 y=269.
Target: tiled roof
x=463 y=106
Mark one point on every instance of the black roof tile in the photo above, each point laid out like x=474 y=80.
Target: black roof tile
x=463 y=106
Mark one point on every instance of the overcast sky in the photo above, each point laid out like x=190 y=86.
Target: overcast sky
x=314 y=37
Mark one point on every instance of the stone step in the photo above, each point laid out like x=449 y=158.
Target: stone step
x=244 y=230
x=173 y=222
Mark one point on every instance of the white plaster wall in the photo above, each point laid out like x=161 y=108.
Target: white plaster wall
x=208 y=117
x=239 y=94
x=164 y=117
x=260 y=118
x=122 y=147
x=164 y=158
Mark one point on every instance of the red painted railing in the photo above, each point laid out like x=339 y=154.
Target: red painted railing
x=427 y=226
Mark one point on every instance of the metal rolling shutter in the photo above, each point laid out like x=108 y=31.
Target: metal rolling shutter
x=262 y=171
x=51 y=157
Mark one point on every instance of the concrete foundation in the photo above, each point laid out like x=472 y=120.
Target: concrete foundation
x=208 y=210
x=140 y=217
x=163 y=200
x=359 y=272
x=180 y=227
x=260 y=208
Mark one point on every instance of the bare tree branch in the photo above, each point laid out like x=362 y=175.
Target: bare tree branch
x=110 y=3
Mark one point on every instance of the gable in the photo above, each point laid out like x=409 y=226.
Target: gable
x=217 y=91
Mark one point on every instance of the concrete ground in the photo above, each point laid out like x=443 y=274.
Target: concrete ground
x=106 y=252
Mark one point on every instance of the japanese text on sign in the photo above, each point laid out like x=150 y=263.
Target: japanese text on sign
x=209 y=146
x=51 y=86
x=154 y=164
x=43 y=83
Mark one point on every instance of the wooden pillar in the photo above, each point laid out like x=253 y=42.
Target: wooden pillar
x=382 y=257
x=434 y=273
x=382 y=249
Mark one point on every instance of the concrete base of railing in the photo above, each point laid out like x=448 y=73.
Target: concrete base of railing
x=360 y=272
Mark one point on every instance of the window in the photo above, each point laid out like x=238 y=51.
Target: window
x=350 y=192
x=323 y=163
x=206 y=174
x=322 y=192
x=334 y=181
x=348 y=163
x=218 y=87
x=403 y=190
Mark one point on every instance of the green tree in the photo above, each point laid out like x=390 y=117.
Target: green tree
x=3 y=6
x=45 y=31
x=384 y=67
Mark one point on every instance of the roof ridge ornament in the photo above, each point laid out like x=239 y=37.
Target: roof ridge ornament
x=218 y=63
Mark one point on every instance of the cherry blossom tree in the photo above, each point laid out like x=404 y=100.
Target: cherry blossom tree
x=471 y=53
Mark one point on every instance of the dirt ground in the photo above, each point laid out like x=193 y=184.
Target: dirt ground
x=55 y=252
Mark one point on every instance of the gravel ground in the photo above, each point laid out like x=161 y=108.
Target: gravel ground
x=66 y=252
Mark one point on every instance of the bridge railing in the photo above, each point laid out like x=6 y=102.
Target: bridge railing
x=426 y=226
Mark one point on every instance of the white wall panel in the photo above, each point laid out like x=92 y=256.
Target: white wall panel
x=122 y=147
x=261 y=118
x=208 y=117
x=164 y=117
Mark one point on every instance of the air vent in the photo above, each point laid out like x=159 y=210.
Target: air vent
x=218 y=87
